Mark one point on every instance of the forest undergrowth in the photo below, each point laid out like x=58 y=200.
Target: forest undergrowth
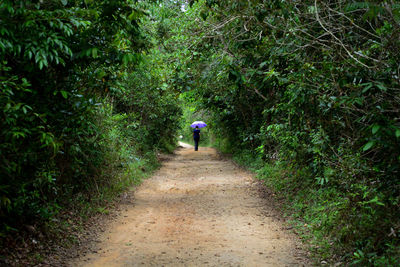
x=80 y=116
x=316 y=214
x=309 y=92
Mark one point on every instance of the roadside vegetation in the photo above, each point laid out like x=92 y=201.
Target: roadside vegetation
x=306 y=93
x=85 y=109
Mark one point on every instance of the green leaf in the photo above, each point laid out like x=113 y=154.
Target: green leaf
x=64 y=2
x=125 y=59
x=64 y=94
x=381 y=86
x=398 y=133
x=368 y=145
x=88 y=52
x=94 y=52
x=367 y=87
x=375 y=129
x=359 y=101
x=18 y=135
x=375 y=200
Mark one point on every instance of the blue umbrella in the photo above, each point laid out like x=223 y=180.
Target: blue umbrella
x=200 y=124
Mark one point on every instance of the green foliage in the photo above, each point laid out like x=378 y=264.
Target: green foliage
x=81 y=115
x=311 y=87
x=304 y=92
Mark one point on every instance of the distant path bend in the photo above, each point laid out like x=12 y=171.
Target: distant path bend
x=197 y=210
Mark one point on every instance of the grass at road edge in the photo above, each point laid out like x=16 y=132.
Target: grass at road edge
x=317 y=214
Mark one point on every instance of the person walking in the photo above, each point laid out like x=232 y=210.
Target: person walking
x=196 y=138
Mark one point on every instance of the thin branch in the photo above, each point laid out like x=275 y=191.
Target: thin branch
x=258 y=93
x=336 y=38
x=355 y=25
x=224 y=23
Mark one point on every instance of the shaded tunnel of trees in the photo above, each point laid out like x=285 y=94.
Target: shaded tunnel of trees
x=304 y=92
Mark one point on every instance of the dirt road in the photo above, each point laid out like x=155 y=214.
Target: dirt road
x=197 y=210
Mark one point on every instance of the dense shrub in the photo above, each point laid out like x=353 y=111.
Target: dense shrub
x=313 y=88
x=80 y=114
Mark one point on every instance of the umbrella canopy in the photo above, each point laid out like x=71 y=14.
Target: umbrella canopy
x=200 y=124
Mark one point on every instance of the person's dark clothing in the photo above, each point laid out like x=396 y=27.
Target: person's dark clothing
x=196 y=138
x=196 y=133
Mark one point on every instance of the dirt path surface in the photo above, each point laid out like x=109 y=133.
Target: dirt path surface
x=197 y=210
